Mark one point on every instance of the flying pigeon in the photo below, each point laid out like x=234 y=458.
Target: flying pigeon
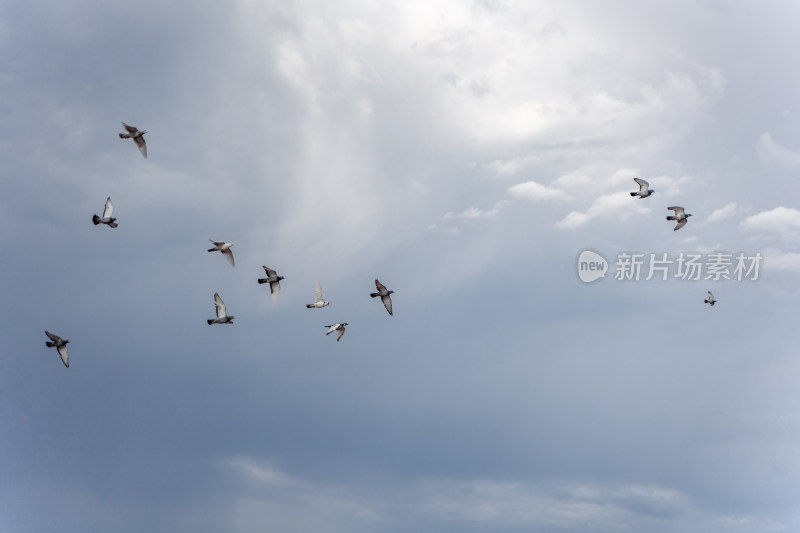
x=680 y=217
x=222 y=315
x=711 y=301
x=336 y=327
x=384 y=294
x=274 y=281
x=319 y=300
x=136 y=135
x=61 y=346
x=643 y=191
x=225 y=248
x=106 y=218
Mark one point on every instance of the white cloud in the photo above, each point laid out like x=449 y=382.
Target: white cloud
x=773 y=154
x=474 y=213
x=614 y=205
x=448 y=230
x=267 y=494
x=775 y=259
x=723 y=212
x=530 y=190
x=509 y=167
x=782 y=220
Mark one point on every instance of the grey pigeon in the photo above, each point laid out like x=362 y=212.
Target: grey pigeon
x=225 y=248
x=137 y=137
x=319 y=299
x=106 y=218
x=336 y=327
x=680 y=217
x=644 y=190
x=222 y=315
x=384 y=294
x=60 y=345
x=711 y=301
x=274 y=281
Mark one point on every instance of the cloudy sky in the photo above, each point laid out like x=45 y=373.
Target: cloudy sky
x=464 y=153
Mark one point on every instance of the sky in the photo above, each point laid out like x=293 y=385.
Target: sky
x=464 y=153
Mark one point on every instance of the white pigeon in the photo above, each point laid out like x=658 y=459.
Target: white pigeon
x=222 y=315
x=711 y=301
x=336 y=327
x=681 y=217
x=319 y=300
x=644 y=190
x=137 y=136
x=274 y=281
x=225 y=248
x=106 y=218
x=60 y=345
x=384 y=294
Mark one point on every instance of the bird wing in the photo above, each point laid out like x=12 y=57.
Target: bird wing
x=54 y=338
x=678 y=210
x=131 y=129
x=381 y=287
x=387 y=303
x=318 y=293
x=680 y=224
x=220 y=305
x=643 y=185
x=227 y=253
x=269 y=271
x=108 y=209
x=62 y=351
x=710 y=296
x=141 y=144
x=340 y=329
x=331 y=329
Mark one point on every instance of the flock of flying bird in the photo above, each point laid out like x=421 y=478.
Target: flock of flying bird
x=225 y=248
x=680 y=216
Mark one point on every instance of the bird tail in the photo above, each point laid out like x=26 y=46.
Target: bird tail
x=124 y=136
x=212 y=249
x=310 y=306
x=633 y=194
x=670 y=217
x=262 y=280
x=50 y=344
x=373 y=294
x=210 y=322
x=95 y=219
x=113 y=224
